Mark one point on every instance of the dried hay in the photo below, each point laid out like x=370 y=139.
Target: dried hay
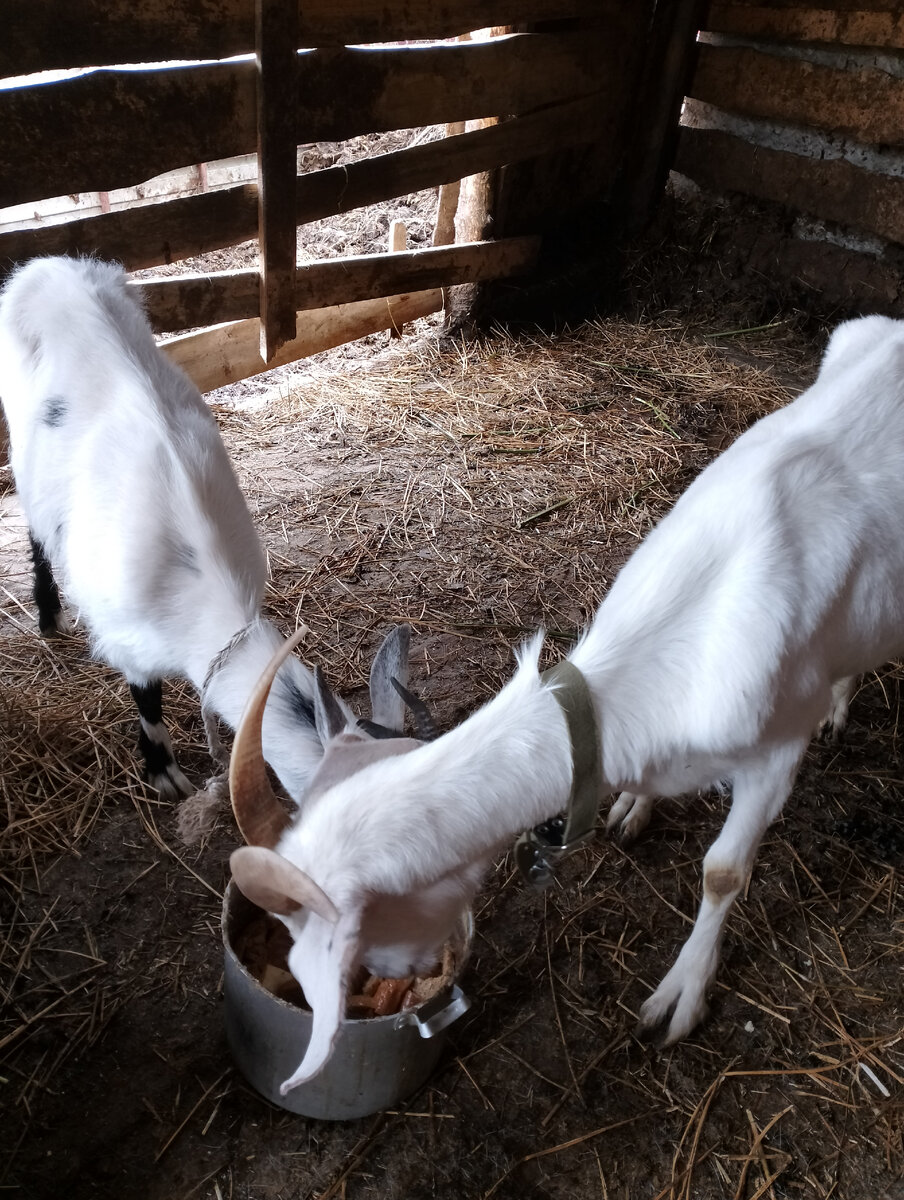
x=475 y=490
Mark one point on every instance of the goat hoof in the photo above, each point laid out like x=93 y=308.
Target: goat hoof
x=54 y=624
x=171 y=784
x=629 y=817
x=669 y=1022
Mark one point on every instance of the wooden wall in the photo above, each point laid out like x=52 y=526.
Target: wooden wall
x=563 y=85
x=804 y=106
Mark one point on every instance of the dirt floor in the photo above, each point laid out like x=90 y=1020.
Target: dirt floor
x=475 y=490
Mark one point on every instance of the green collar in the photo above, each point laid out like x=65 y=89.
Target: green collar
x=537 y=850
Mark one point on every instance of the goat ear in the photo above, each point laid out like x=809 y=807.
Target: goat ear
x=322 y=961
x=390 y=662
x=329 y=719
x=277 y=885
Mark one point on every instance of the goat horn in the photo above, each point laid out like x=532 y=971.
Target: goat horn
x=423 y=718
x=258 y=813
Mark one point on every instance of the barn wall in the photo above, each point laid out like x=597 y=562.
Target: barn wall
x=803 y=107
x=299 y=73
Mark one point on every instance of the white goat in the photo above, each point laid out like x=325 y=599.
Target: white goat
x=736 y=625
x=132 y=504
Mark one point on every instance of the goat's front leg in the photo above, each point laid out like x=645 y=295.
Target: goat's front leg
x=758 y=796
x=161 y=769
x=51 y=618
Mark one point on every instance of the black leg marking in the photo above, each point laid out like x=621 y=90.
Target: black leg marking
x=149 y=700
x=161 y=770
x=157 y=758
x=46 y=593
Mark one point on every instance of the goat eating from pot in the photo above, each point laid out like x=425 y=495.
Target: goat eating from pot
x=393 y=933
x=736 y=626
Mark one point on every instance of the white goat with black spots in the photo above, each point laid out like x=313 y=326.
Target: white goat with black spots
x=133 y=507
x=737 y=625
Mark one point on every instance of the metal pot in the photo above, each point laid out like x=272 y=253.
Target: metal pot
x=376 y=1062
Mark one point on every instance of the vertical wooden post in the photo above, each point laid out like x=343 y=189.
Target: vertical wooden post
x=277 y=91
x=398 y=240
x=447 y=203
x=670 y=54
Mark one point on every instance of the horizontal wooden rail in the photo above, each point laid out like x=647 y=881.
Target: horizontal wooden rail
x=819 y=23
x=148 y=236
x=369 y=275
x=175 y=229
x=830 y=189
x=133 y=125
x=226 y=353
x=865 y=104
x=111 y=129
x=184 y=302
x=52 y=34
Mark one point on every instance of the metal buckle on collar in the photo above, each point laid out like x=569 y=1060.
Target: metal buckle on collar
x=538 y=850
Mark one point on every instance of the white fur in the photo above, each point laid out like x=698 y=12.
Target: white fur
x=734 y=628
x=134 y=499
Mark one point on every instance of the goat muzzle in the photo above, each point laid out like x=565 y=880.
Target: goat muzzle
x=258 y=813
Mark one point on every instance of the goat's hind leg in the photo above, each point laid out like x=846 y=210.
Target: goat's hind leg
x=833 y=724
x=629 y=816
x=51 y=618
x=758 y=796
x=161 y=769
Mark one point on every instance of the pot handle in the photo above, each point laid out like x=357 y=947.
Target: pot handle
x=436 y=1014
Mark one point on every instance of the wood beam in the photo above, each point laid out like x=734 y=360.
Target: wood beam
x=277 y=77
x=187 y=301
x=171 y=230
x=133 y=125
x=226 y=353
x=101 y=33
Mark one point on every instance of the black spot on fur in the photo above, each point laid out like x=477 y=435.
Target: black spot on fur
x=46 y=593
x=186 y=558
x=55 y=408
x=299 y=704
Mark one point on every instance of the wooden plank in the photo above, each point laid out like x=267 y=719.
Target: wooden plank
x=398 y=240
x=436 y=85
x=111 y=129
x=371 y=181
x=839 y=5
x=276 y=166
x=147 y=236
x=829 y=189
x=227 y=353
x=175 y=229
x=864 y=104
x=136 y=124
x=474 y=214
x=544 y=195
x=856 y=27
x=55 y=34
x=669 y=62
x=189 y=301
x=447 y=201
x=369 y=275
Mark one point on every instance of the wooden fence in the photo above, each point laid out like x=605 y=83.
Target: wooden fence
x=804 y=106
x=562 y=86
